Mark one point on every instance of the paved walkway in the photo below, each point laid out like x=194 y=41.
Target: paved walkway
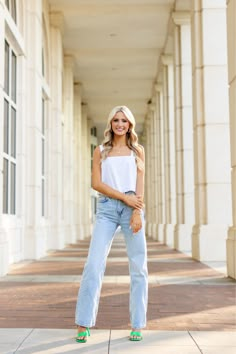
x=191 y=307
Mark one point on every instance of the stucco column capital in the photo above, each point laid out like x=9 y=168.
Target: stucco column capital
x=181 y=18
x=158 y=87
x=167 y=59
x=57 y=20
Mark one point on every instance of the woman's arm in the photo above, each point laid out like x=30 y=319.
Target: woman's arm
x=141 y=174
x=136 y=220
x=97 y=184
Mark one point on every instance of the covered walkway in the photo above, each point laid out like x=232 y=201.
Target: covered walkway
x=64 y=64
x=185 y=296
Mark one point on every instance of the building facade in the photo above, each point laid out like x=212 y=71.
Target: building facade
x=47 y=136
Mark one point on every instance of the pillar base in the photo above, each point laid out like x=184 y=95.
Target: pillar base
x=183 y=238
x=70 y=234
x=4 y=254
x=56 y=238
x=169 y=235
x=149 y=229
x=209 y=242
x=231 y=252
x=160 y=232
x=35 y=243
x=154 y=231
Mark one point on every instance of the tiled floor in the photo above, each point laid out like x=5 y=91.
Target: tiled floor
x=191 y=306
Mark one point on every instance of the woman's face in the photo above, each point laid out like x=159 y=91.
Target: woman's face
x=120 y=124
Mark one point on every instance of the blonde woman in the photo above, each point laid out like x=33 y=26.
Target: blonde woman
x=118 y=176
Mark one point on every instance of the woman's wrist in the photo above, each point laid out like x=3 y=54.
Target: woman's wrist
x=137 y=212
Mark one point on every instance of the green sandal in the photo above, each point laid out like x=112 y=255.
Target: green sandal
x=138 y=336
x=84 y=334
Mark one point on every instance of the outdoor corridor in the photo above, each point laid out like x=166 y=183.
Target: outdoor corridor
x=38 y=301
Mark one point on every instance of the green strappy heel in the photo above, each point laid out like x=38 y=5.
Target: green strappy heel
x=138 y=336
x=83 y=334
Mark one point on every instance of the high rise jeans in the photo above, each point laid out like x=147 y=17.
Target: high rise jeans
x=110 y=214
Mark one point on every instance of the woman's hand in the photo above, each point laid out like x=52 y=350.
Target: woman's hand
x=134 y=201
x=136 y=221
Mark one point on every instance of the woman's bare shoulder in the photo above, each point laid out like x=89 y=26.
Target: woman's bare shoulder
x=97 y=152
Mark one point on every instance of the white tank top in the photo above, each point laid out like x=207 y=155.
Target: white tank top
x=120 y=172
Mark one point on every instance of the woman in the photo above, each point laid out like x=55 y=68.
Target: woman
x=118 y=176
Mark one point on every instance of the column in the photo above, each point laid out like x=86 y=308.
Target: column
x=68 y=91
x=148 y=177
x=86 y=174
x=169 y=148
x=183 y=132
x=160 y=163
x=35 y=241
x=231 y=26
x=211 y=131
x=152 y=170
x=56 y=237
x=77 y=160
x=154 y=164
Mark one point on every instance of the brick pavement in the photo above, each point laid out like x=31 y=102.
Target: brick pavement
x=183 y=294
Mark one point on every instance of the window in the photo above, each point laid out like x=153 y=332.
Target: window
x=11 y=5
x=9 y=131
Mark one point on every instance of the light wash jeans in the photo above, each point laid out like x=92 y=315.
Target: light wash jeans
x=110 y=214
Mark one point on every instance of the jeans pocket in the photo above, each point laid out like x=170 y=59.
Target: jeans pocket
x=103 y=200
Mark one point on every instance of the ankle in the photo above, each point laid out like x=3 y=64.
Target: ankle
x=81 y=328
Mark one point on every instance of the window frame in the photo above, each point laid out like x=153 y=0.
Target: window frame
x=9 y=153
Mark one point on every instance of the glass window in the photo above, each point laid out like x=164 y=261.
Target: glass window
x=13 y=77
x=13 y=132
x=9 y=129
x=13 y=9
x=6 y=127
x=11 y=5
x=13 y=188
x=6 y=71
x=7 y=3
x=5 y=185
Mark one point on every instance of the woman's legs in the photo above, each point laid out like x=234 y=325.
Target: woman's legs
x=90 y=287
x=137 y=253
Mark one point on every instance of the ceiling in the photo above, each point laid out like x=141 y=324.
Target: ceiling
x=116 y=45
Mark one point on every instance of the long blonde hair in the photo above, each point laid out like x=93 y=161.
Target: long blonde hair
x=131 y=136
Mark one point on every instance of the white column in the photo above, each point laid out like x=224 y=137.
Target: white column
x=160 y=163
x=4 y=247
x=35 y=241
x=184 y=132
x=56 y=237
x=69 y=149
x=148 y=180
x=78 y=159
x=89 y=175
x=211 y=130
x=231 y=24
x=86 y=176
x=154 y=168
x=169 y=148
